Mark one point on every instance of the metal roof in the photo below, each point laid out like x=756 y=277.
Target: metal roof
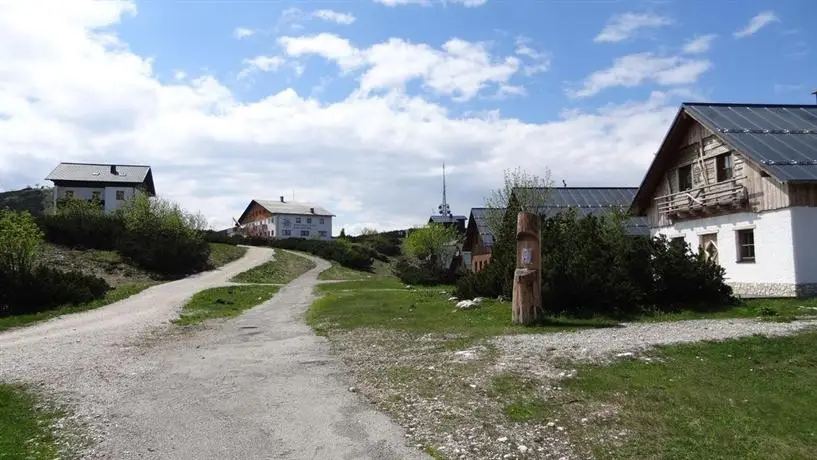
x=92 y=172
x=478 y=214
x=446 y=219
x=293 y=207
x=782 y=139
x=591 y=201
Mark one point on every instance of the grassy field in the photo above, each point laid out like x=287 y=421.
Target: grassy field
x=222 y=254
x=107 y=265
x=224 y=302
x=24 y=426
x=783 y=309
x=283 y=268
x=388 y=304
x=337 y=272
x=116 y=294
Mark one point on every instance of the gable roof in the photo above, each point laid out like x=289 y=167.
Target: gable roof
x=97 y=172
x=478 y=222
x=590 y=201
x=288 y=207
x=780 y=139
x=446 y=219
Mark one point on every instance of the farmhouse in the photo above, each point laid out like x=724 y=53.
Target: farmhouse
x=286 y=219
x=739 y=181
x=551 y=201
x=109 y=184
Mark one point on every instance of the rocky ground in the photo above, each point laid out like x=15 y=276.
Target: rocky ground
x=453 y=396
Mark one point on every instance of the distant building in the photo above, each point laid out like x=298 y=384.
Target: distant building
x=110 y=184
x=479 y=240
x=285 y=219
x=445 y=216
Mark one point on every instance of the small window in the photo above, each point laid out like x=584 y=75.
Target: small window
x=322 y=233
x=321 y=220
x=685 y=177
x=725 y=171
x=746 y=245
x=96 y=195
x=69 y=194
x=120 y=195
x=286 y=232
x=297 y=220
x=304 y=232
x=308 y=220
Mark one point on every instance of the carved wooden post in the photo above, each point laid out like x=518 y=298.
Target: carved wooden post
x=527 y=279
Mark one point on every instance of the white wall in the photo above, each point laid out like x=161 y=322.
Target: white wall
x=310 y=223
x=774 y=256
x=111 y=202
x=804 y=238
x=107 y=193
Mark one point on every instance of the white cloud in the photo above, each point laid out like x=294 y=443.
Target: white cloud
x=179 y=75
x=460 y=69
x=465 y=3
x=71 y=91
x=635 y=69
x=540 y=61
x=624 y=26
x=699 y=45
x=262 y=64
x=334 y=16
x=243 y=32
x=756 y=23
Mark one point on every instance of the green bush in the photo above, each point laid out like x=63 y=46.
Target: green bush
x=83 y=224
x=19 y=239
x=46 y=288
x=423 y=272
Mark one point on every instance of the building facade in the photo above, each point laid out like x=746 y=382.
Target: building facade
x=110 y=185
x=739 y=182
x=476 y=250
x=285 y=219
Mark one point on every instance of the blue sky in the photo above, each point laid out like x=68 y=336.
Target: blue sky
x=354 y=104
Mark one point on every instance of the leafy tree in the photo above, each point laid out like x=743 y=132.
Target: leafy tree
x=525 y=187
x=368 y=231
x=342 y=233
x=434 y=242
x=19 y=238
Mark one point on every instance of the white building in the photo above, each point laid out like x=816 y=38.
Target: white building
x=740 y=182
x=109 y=184
x=286 y=219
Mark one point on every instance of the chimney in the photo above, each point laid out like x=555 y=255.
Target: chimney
x=814 y=93
x=114 y=171
x=312 y=210
x=282 y=198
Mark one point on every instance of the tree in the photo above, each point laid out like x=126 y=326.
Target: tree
x=368 y=231
x=342 y=233
x=19 y=238
x=434 y=243
x=528 y=190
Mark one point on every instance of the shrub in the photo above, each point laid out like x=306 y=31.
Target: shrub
x=46 y=288
x=344 y=252
x=84 y=224
x=161 y=237
x=486 y=283
x=423 y=272
x=19 y=239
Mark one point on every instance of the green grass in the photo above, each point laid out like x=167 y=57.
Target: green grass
x=222 y=254
x=285 y=267
x=783 y=309
x=116 y=294
x=25 y=426
x=338 y=272
x=751 y=398
x=223 y=302
x=387 y=304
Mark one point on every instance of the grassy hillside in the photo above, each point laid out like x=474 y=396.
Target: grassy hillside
x=33 y=200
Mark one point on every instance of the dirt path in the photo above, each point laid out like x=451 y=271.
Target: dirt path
x=259 y=386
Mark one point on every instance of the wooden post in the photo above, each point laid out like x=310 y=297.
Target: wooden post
x=527 y=279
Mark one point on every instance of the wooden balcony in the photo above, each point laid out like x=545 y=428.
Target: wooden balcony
x=717 y=198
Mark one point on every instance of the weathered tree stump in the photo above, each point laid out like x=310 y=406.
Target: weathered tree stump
x=527 y=279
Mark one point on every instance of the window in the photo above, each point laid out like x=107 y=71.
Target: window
x=322 y=233
x=725 y=171
x=685 y=177
x=286 y=232
x=69 y=194
x=308 y=220
x=709 y=246
x=120 y=195
x=746 y=245
x=321 y=221
x=297 y=220
x=304 y=232
x=96 y=195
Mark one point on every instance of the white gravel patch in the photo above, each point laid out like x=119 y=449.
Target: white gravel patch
x=600 y=344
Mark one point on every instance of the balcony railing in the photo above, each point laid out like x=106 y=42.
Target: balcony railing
x=704 y=199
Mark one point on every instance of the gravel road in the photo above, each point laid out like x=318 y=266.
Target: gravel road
x=262 y=385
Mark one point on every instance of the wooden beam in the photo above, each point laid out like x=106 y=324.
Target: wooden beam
x=527 y=278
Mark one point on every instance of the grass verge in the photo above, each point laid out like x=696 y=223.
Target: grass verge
x=283 y=268
x=223 y=302
x=747 y=398
x=337 y=272
x=121 y=292
x=783 y=309
x=25 y=426
x=222 y=254
x=386 y=304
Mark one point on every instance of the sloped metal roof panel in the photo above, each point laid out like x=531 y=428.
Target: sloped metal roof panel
x=89 y=172
x=782 y=139
x=293 y=207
